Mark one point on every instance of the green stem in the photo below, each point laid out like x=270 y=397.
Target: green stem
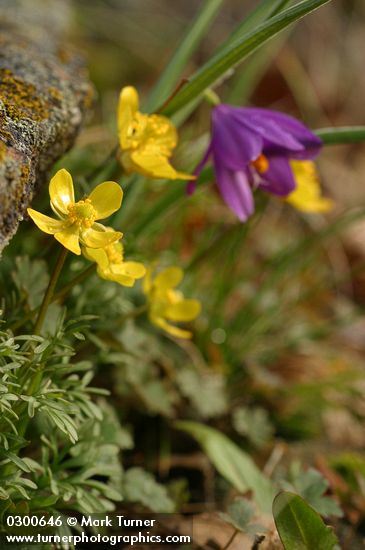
x=50 y=291
x=75 y=281
x=211 y=97
x=341 y=135
x=57 y=296
x=235 y=533
x=107 y=168
x=136 y=312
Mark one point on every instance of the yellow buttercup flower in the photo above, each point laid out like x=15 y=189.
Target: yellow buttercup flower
x=77 y=220
x=111 y=264
x=307 y=194
x=146 y=141
x=167 y=304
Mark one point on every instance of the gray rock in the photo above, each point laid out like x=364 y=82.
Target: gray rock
x=44 y=97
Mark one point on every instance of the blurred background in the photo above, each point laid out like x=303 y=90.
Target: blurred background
x=277 y=360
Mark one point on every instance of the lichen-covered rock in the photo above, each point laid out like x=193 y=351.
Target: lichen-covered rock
x=44 y=97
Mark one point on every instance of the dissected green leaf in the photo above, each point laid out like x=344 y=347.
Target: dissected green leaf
x=311 y=485
x=206 y=391
x=254 y=424
x=31 y=277
x=140 y=486
x=240 y=513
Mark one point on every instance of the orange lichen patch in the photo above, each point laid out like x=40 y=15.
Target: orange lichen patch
x=89 y=98
x=63 y=55
x=55 y=93
x=3 y=150
x=21 y=99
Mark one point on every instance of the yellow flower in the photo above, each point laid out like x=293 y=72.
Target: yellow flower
x=307 y=194
x=146 y=141
x=167 y=304
x=77 y=220
x=111 y=264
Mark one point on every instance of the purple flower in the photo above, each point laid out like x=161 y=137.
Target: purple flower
x=252 y=148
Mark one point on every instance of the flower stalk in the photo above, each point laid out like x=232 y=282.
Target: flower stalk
x=47 y=299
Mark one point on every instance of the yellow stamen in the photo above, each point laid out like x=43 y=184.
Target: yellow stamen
x=114 y=253
x=261 y=164
x=82 y=213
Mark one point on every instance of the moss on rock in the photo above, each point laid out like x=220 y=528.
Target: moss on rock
x=43 y=102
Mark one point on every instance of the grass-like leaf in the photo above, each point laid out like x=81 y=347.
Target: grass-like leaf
x=183 y=53
x=344 y=134
x=228 y=58
x=231 y=462
x=265 y=10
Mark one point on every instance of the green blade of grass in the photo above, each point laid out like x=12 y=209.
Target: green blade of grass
x=291 y=260
x=341 y=135
x=220 y=63
x=266 y=9
x=253 y=71
x=183 y=53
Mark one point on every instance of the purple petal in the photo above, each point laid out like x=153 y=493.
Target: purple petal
x=279 y=178
x=271 y=132
x=311 y=143
x=235 y=190
x=235 y=145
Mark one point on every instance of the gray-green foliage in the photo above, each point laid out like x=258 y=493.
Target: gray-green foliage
x=240 y=513
x=312 y=486
x=254 y=424
x=140 y=486
x=64 y=420
x=142 y=360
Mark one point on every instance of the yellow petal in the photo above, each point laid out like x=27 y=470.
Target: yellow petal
x=135 y=270
x=94 y=238
x=168 y=278
x=307 y=194
x=45 y=223
x=170 y=329
x=127 y=107
x=123 y=280
x=69 y=238
x=106 y=198
x=109 y=275
x=128 y=97
x=186 y=310
x=61 y=191
x=155 y=165
x=97 y=255
x=147 y=281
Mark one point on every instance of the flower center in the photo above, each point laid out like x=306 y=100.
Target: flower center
x=150 y=130
x=136 y=130
x=114 y=253
x=261 y=164
x=82 y=213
